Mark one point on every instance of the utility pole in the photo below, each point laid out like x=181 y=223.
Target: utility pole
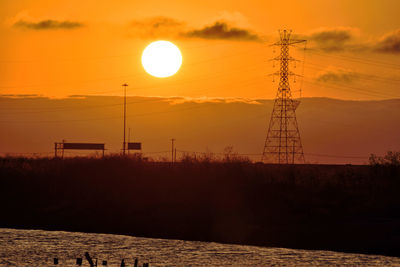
x=129 y=137
x=283 y=129
x=124 y=143
x=172 y=150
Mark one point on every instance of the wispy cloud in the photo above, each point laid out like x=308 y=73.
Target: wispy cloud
x=344 y=39
x=157 y=22
x=389 y=43
x=22 y=95
x=199 y=100
x=156 y=27
x=48 y=25
x=337 y=76
x=334 y=39
x=159 y=27
x=222 y=31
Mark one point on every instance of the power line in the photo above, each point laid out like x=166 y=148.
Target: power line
x=353 y=89
x=195 y=79
x=114 y=117
x=260 y=154
x=358 y=60
x=337 y=156
x=69 y=83
x=234 y=85
x=360 y=75
x=90 y=58
x=83 y=108
x=120 y=77
x=203 y=78
x=157 y=152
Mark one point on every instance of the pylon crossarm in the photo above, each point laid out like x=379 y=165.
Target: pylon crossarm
x=296 y=42
x=286 y=42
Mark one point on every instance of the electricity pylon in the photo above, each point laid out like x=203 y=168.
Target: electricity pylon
x=283 y=142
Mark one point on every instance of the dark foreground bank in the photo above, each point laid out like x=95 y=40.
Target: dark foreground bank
x=343 y=208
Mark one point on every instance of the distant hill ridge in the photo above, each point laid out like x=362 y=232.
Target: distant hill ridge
x=332 y=130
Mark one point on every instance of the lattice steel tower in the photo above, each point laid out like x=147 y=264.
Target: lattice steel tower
x=283 y=143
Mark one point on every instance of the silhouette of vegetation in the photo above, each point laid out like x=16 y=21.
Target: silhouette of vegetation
x=336 y=207
x=392 y=158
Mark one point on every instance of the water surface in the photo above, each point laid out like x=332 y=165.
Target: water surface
x=38 y=248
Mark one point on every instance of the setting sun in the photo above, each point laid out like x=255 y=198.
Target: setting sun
x=199 y=133
x=161 y=59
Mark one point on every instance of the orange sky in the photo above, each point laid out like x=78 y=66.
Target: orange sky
x=92 y=47
x=62 y=48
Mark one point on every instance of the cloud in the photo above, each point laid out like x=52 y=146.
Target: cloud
x=334 y=39
x=156 y=27
x=157 y=22
x=232 y=17
x=166 y=27
x=389 y=43
x=200 y=100
x=337 y=36
x=337 y=76
x=347 y=39
x=22 y=95
x=222 y=31
x=48 y=25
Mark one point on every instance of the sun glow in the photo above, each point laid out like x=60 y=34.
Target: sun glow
x=161 y=59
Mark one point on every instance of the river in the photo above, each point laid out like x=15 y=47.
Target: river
x=39 y=248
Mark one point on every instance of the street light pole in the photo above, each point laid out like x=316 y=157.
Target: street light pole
x=124 y=143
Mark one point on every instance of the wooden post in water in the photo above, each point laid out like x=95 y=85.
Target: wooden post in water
x=89 y=259
x=55 y=261
x=123 y=263
x=136 y=262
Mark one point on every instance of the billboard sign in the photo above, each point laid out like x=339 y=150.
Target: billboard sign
x=134 y=146
x=83 y=146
